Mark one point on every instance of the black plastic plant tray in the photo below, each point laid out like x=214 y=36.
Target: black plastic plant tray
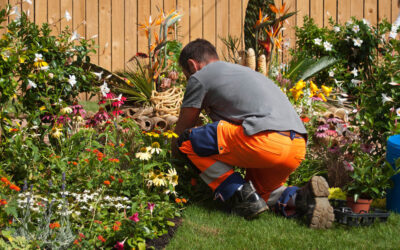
x=345 y=215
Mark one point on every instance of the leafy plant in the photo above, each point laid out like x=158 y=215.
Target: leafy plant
x=371 y=177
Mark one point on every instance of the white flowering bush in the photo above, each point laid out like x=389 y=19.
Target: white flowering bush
x=366 y=75
x=40 y=73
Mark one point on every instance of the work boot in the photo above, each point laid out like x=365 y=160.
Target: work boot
x=312 y=202
x=247 y=203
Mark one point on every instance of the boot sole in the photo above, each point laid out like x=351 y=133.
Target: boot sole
x=322 y=215
x=258 y=213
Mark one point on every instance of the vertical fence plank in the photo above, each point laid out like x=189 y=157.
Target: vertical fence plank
x=105 y=34
x=79 y=18
x=3 y=4
x=156 y=7
x=209 y=21
x=317 y=12
x=344 y=11
x=131 y=32
x=395 y=10
x=170 y=5
x=196 y=19
x=385 y=10
x=66 y=5
x=222 y=24
x=289 y=38
x=235 y=18
x=244 y=9
x=303 y=8
x=330 y=10
x=371 y=11
x=29 y=10
x=53 y=16
x=92 y=26
x=143 y=17
x=357 y=9
x=40 y=11
x=118 y=30
x=184 y=24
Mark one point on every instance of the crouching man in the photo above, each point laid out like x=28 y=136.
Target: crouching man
x=254 y=127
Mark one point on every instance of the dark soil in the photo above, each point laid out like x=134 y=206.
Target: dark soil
x=161 y=242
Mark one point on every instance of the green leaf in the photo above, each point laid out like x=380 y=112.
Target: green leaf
x=316 y=67
x=141 y=245
x=170 y=223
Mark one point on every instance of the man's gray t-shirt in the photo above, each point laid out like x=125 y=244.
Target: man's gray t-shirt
x=239 y=95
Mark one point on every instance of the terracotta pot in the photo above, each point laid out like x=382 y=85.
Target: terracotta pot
x=359 y=207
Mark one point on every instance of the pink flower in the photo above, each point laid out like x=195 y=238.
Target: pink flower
x=119 y=245
x=348 y=166
x=334 y=120
x=331 y=132
x=135 y=217
x=117 y=112
x=320 y=134
x=323 y=127
x=151 y=206
x=314 y=98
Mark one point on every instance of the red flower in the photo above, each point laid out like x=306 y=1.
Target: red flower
x=112 y=177
x=120 y=180
x=107 y=182
x=116 y=228
x=5 y=181
x=88 y=149
x=76 y=242
x=305 y=119
x=14 y=187
x=135 y=217
x=3 y=202
x=141 y=55
x=81 y=235
x=101 y=238
x=119 y=246
x=54 y=225
x=97 y=221
x=117 y=112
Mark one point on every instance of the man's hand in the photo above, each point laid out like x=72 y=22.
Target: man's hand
x=187 y=119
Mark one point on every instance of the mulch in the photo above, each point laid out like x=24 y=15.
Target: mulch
x=161 y=242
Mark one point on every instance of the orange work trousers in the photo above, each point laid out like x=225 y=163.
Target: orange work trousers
x=269 y=157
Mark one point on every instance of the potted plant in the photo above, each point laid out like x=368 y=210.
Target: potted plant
x=370 y=179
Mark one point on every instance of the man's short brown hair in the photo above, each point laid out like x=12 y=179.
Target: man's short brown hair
x=199 y=50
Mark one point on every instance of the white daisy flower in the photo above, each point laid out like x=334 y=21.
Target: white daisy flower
x=336 y=29
x=72 y=80
x=98 y=75
x=354 y=72
x=366 y=22
x=66 y=110
x=31 y=84
x=357 y=42
x=104 y=89
x=398 y=111
x=317 y=41
x=386 y=98
x=327 y=46
x=356 y=28
x=331 y=73
x=144 y=156
x=393 y=34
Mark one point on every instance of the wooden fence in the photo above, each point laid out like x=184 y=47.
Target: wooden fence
x=114 y=23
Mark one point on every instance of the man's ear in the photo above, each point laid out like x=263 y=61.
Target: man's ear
x=193 y=66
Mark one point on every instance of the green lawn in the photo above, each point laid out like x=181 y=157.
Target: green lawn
x=205 y=226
